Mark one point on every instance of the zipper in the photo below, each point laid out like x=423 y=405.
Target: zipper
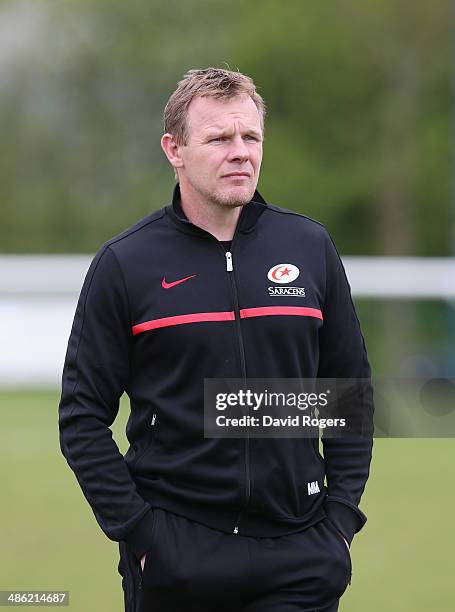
x=230 y=270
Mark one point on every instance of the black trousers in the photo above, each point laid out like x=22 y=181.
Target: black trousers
x=193 y=568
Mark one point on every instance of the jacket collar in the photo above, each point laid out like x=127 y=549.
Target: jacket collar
x=248 y=217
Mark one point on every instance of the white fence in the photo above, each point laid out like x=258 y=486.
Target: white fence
x=38 y=296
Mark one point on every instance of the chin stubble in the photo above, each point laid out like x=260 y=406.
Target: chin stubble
x=228 y=200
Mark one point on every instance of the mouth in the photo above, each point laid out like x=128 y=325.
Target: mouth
x=237 y=175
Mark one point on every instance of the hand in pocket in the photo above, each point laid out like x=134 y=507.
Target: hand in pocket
x=143 y=561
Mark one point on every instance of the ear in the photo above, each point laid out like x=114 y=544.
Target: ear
x=172 y=150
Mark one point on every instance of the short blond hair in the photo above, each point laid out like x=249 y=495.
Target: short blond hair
x=207 y=82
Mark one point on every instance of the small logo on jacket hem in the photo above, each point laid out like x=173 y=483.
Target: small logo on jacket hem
x=313 y=487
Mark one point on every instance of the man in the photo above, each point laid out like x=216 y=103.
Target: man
x=212 y=524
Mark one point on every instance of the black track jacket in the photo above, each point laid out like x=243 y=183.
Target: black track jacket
x=137 y=330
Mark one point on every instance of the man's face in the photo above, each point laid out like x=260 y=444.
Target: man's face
x=223 y=153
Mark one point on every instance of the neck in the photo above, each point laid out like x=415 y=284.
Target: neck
x=218 y=220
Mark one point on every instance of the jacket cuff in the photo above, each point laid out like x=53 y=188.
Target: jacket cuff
x=139 y=539
x=346 y=517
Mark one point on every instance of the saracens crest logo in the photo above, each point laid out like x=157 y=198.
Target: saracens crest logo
x=283 y=274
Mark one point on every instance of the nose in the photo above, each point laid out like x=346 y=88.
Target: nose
x=238 y=151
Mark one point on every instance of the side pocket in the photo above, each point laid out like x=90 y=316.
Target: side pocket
x=149 y=554
x=127 y=570
x=340 y=538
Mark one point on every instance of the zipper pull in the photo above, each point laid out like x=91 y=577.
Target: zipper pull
x=153 y=419
x=236 y=529
x=229 y=266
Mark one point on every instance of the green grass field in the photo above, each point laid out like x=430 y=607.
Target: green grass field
x=402 y=560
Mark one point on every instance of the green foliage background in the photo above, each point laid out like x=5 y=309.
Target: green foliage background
x=358 y=131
